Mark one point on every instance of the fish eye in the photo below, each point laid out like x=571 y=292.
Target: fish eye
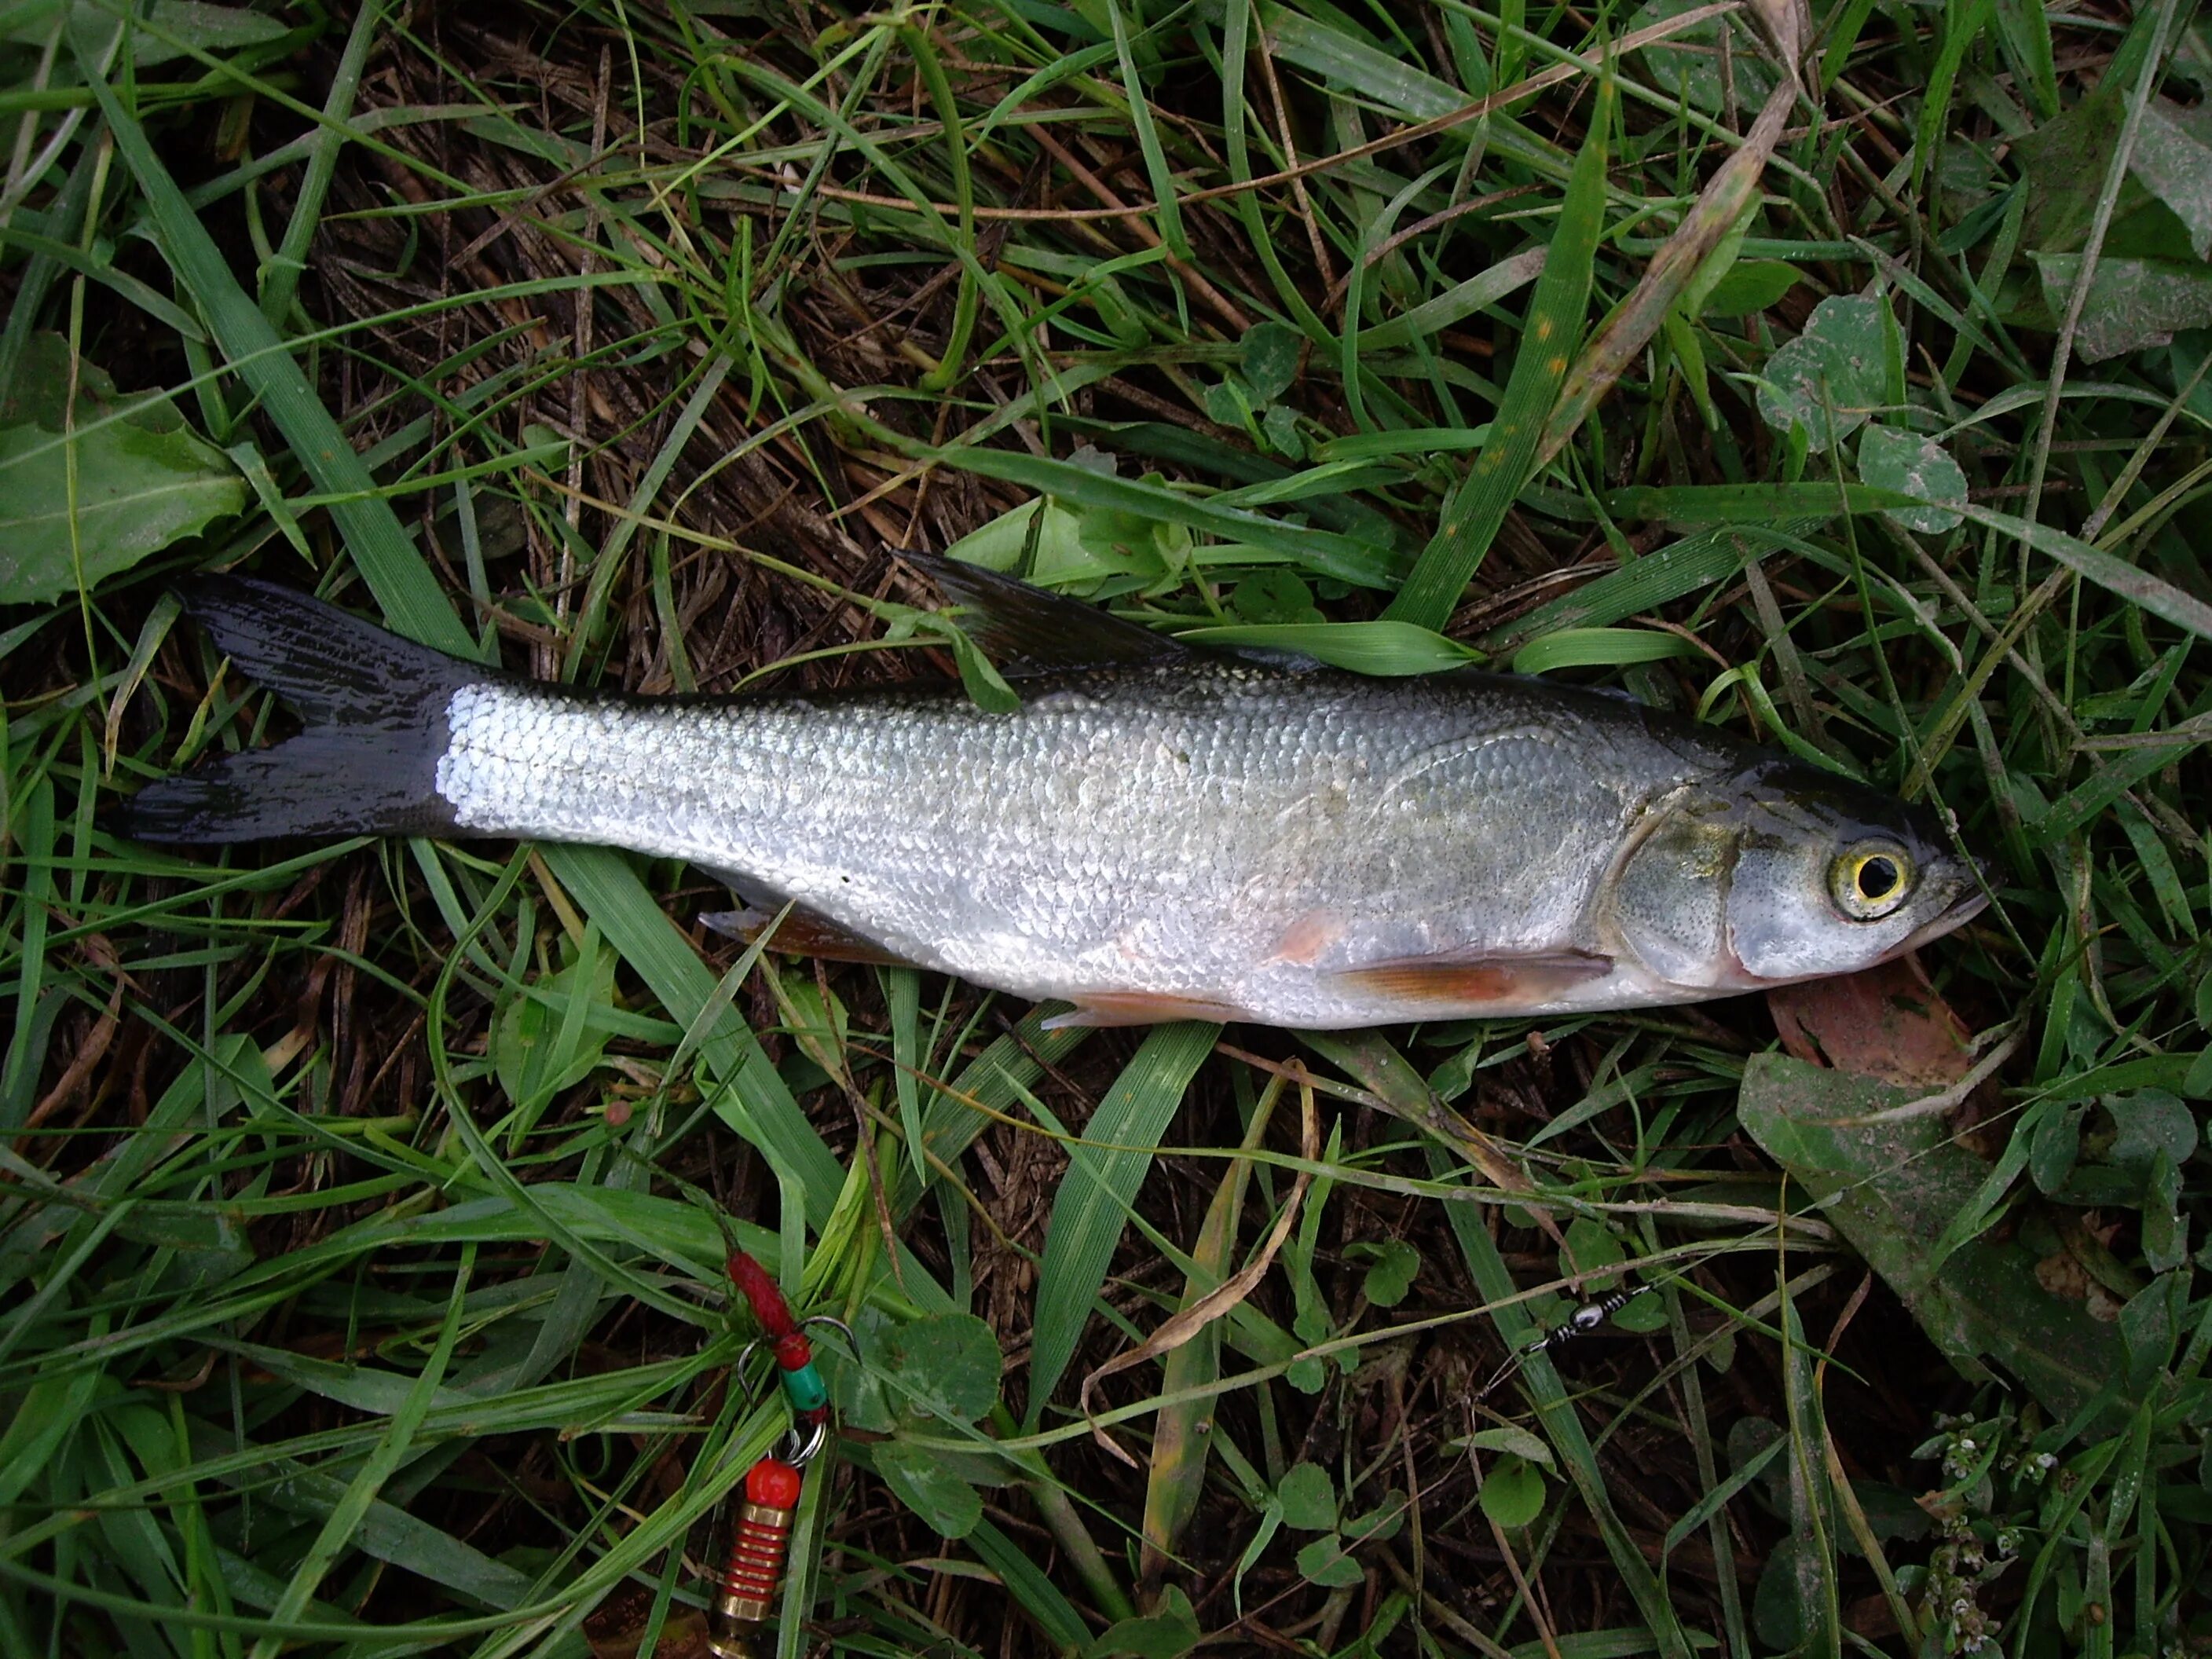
x=1870 y=880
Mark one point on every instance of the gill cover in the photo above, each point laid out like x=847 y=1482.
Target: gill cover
x=1670 y=895
x=1782 y=872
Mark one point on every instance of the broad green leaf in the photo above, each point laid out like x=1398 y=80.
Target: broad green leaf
x=1080 y=490
x=2067 y=162
x=1379 y=648
x=1397 y=1265
x=2132 y=303
x=1168 y=1633
x=1512 y=1491
x=1914 y=466
x=1508 y=1438
x=2151 y=1123
x=980 y=677
x=39 y=393
x=2173 y=157
x=1787 y=1605
x=1749 y=287
x=1689 y=63
x=1382 y=1524
x=858 y=1392
x=1591 y=1247
x=1831 y=377
x=1039 y=527
x=1273 y=598
x=945 y=1365
x=2054 y=1148
x=174 y=25
x=1308 y=1498
x=1893 y=1186
x=1229 y=402
x=1271 y=359
x=2165 y=1229
x=75 y=510
x=917 y=1474
x=1326 y=1562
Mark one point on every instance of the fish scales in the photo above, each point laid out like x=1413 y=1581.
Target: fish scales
x=1152 y=830
x=1161 y=833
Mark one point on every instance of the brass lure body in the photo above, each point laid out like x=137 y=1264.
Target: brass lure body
x=741 y=1623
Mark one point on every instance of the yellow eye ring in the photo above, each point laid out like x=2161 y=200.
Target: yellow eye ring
x=1871 y=880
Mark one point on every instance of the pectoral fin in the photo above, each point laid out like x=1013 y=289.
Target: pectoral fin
x=802 y=933
x=1464 y=980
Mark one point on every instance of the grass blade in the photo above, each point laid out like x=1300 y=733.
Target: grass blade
x=1471 y=519
x=1105 y=1169
x=389 y=562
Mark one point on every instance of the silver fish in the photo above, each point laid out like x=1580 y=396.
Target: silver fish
x=1157 y=833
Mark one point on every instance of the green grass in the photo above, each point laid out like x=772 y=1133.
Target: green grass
x=364 y=1205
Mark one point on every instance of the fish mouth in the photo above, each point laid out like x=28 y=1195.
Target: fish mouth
x=1961 y=911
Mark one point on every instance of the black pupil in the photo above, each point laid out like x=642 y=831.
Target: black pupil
x=1877 y=879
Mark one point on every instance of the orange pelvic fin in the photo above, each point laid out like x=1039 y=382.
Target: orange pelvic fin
x=1471 y=982
x=803 y=933
x=1139 y=1008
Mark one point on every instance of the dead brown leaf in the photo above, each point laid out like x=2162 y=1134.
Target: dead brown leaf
x=1887 y=1023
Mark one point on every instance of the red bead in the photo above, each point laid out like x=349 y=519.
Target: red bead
x=793 y=1353
x=773 y=1485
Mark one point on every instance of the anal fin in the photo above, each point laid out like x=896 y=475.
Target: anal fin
x=1140 y=1008
x=801 y=933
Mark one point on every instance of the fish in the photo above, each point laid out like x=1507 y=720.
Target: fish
x=1156 y=832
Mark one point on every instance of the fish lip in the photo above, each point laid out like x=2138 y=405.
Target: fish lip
x=1961 y=911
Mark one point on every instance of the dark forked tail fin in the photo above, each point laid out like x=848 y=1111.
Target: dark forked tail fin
x=375 y=710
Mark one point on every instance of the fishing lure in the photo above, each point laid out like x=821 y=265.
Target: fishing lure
x=1583 y=1320
x=741 y=1623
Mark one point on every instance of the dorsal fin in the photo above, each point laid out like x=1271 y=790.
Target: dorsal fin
x=1027 y=630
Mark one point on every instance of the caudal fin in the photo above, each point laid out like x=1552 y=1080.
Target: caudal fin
x=375 y=710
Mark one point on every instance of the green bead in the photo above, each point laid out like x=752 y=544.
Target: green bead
x=805 y=1390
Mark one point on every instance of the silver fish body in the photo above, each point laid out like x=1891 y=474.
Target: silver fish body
x=1186 y=834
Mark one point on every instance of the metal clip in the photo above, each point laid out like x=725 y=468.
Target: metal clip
x=799 y=1446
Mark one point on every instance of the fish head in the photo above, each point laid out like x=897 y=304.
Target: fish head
x=1780 y=872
